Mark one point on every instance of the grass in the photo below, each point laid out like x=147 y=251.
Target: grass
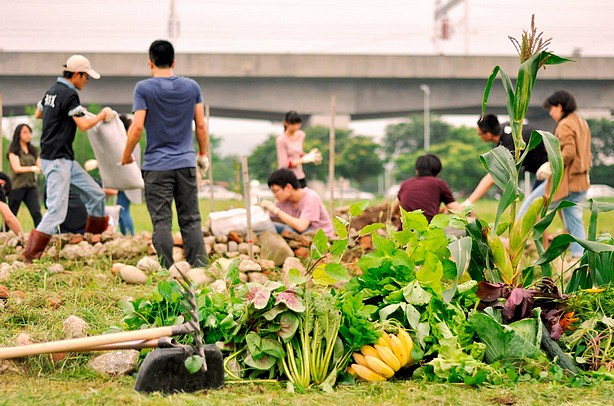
x=88 y=290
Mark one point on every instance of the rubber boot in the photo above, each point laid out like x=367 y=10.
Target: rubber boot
x=36 y=245
x=96 y=225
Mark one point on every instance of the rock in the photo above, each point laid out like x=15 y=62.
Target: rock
x=5 y=271
x=132 y=274
x=127 y=247
x=247 y=265
x=257 y=277
x=76 y=238
x=116 y=267
x=116 y=363
x=149 y=265
x=232 y=254
x=54 y=302
x=218 y=286
x=74 y=327
x=243 y=248
x=77 y=251
x=55 y=268
x=23 y=339
x=365 y=242
x=233 y=246
x=4 y=292
x=178 y=254
x=243 y=277
x=235 y=236
x=177 y=239
x=220 y=264
x=182 y=266
x=274 y=247
x=220 y=248
x=301 y=252
x=267 y=264
x=18 y=265
x=200 y=277
x=210 y=240
x=221 y=239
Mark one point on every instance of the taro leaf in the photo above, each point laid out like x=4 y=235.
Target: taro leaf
x=338 y=247
x=272 y=347
x=560 y=243
x=414 y=220
x=329 y=275
x=386 y=311
x=489 y=292
x=319 y=245
x=357 y=208
x=272 y=285
x=414 y=294
x=257 y=295
x=193 y=363
x=292 y=300
x=254 y=343
x=295 y=277
x=440 y=221
x=501 y=166
x=422 y=332
x=263 y=363
x=461 y=252
x=431 y=272
x=412 y=315
x=518 y=305
x=368 y=229
x=271 y=314
x=340 y=224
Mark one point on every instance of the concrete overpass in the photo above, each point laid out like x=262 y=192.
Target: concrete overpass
x=264 y=86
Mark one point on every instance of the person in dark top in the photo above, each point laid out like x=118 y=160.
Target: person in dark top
x=76 y=215
x=426 y=191
x=62 y=113
x=25 y=164
x=5 y=211
x=490 y=130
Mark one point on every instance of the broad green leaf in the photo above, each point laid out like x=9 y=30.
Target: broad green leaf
x=461 y=252
x=264 y=363
x=358 y=208
x=340 y=224
x=412 y=315
x=273 y=347
x=368 y=229
x=414 y=220
x=440 y=221
x=319 y=245
x=193 y=363
x=295 y=277
x=501 y=166
x=383 y=244
x=431 y=272
x=329 y=275
x=386 y=311
x=414 y=294
x=560 y=243
x=271 y=314
x=338 y=247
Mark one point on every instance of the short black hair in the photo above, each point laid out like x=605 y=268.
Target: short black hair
x=126 y=121
x=282 y=177
x=162 y=53
x=565 y=99
x=490 y=124
x=428 y=165
x=292 y=117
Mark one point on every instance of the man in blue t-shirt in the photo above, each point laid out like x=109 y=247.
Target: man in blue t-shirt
x=165 y=106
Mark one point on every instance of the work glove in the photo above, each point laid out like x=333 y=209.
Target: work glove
x=269 y=206
x=203 y=164
x=544 y=171
x=314 y=156
x=110 y=114
x=35 y=169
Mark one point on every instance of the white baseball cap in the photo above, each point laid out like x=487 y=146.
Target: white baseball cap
x=79 y=63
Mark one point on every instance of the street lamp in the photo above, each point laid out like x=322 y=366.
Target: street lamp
x=427 y=121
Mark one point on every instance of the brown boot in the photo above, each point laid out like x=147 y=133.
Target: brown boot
x=96 y=225
x=36 y=245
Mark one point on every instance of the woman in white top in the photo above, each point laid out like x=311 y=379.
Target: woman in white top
x=289 y=145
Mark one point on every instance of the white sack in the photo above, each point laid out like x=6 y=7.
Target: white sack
x=223 y=222
x=108 y=141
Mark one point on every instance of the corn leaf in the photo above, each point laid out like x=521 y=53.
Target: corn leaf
x=501 y=166
x=560 y=243
x=507 y=86
x=556 y=161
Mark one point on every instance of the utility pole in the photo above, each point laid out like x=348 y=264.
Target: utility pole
x=173 y=23
x=427 y=117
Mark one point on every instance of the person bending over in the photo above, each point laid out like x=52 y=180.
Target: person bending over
x=296 y=209
x=426 y=191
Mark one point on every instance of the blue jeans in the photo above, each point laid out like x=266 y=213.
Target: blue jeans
x=572 y=220
x=535 y=193
x=60 y=174
x=125 y=219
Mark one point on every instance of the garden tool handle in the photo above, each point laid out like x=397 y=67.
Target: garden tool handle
x=85 y=343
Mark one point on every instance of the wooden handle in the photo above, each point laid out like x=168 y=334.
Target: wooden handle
x=79 y=344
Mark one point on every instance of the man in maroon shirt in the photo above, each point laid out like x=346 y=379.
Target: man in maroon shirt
x=426 y=191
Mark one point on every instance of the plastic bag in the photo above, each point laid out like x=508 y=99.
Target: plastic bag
x=223 y=222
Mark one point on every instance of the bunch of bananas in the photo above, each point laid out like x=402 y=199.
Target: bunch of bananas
x=380 y=361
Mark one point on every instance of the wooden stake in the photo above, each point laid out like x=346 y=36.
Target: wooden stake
x=331 y=161
x=248 y=207
x=210 y=156
x=1 y=136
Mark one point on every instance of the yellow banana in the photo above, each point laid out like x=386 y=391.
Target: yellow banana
x=379 y=366
x=360 y=359
x=351 y=371
x=369 y=350
x=367 y=373
x=405 y=338
x=388 y=357
x=399 y=350
x=384 y=340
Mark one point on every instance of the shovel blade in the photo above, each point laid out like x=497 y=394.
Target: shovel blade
x=163 y=370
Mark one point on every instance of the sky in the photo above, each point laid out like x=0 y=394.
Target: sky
x=403 y=27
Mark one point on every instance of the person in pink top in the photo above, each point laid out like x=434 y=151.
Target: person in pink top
x=289 y=145
x=297 y=209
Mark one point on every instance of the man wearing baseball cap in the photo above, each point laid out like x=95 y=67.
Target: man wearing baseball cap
x=62 y=112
